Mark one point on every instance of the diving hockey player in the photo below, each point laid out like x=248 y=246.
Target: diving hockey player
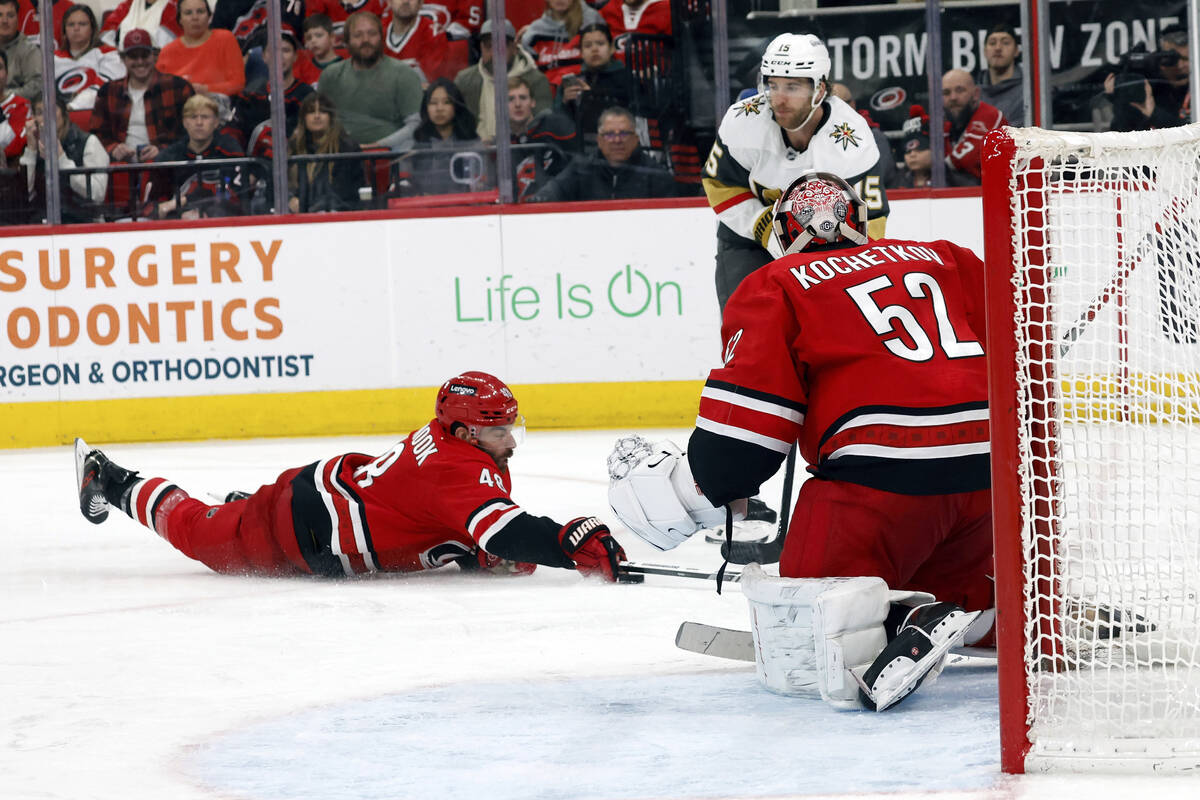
x=440 y=495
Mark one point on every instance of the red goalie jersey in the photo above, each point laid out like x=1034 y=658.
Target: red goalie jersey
x=869 y=356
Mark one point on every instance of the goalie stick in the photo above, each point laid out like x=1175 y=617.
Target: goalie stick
x=736 y=645
x=635 y=572
x=766 y=552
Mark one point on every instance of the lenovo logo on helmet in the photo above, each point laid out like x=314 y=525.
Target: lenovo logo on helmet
x=458 y=388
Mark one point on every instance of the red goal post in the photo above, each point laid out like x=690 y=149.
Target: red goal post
x=1092 y=246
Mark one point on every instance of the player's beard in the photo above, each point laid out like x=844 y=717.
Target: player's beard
x=790 y=119
x=502 y=459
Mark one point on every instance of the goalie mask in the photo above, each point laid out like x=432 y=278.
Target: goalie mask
x=797 y=55
x=477 y=400
x=818 y=208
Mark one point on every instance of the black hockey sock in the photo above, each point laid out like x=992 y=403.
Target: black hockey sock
x=117 y=482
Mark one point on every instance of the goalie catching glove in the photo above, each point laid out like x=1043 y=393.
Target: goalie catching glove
x=652 y=492
x=587 y=542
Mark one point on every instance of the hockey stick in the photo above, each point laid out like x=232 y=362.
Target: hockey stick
x=710 y=640
x=767 y=552
x=1116 y=283
x=634 y=572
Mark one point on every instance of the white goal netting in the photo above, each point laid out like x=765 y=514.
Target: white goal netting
x=1107 y=288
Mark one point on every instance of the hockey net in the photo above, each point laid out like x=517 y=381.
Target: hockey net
x=1093 y=258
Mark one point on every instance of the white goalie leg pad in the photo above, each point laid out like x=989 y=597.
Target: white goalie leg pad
x=651 y=490
x=809 y=631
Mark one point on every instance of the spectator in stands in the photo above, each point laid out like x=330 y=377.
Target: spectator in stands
x=1156 y=93
x=967 y=121
x=636 y=16
x=434 y=165
x=14 y=112
x=1002 y=84
x=23 y=55
x=621 y=171
x=83 y=64
x=545 y=140
x=322 y=185
x=553 y=38
x=885 y=168
x=478 y=86
x=602 y=82
x=413 y=38
x=252 y=106
x=204 y=190
x=319 y=41
x=247 y=19
x=374 y=94
x=339 y=12
x=159 y=18
x=137 y=116
x=210 y=59
x=31 y=19
x=459 y=20
x=918 y=158
x=80 y=195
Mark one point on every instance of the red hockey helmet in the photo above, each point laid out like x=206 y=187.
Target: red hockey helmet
x=818 y=208
x=477 y=400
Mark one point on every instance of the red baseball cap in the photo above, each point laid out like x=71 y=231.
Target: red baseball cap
x=137 y=39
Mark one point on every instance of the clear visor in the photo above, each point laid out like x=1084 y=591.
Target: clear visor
x=788 y=87
x=498 y=434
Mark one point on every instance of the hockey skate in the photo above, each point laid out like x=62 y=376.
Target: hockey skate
x=93 y=474
x=916 y=654
x=758 y=526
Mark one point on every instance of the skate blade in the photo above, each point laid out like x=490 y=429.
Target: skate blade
x=81 y=451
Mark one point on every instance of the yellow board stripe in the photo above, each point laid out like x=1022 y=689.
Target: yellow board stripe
x=634 y=405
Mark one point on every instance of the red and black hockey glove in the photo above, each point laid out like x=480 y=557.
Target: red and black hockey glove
x=587 y=542
x=481 y=560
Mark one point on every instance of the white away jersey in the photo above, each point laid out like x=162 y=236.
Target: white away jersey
x=751 y=162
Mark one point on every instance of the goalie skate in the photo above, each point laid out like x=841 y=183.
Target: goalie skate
x=758 y=527
x=918 y=652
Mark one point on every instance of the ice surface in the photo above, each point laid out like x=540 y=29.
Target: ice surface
x=128 y=671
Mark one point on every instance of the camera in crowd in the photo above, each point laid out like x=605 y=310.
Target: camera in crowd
x=1147 y=64
x=1141 y=64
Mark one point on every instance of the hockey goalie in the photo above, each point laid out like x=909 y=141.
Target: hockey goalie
x=868 y=354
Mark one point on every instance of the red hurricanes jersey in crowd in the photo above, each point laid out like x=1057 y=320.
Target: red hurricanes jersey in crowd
x=457 y=19
x=423 y=48
x=653 y=16
x=555 y=57
x=870 y=357
x=29 y=19
x=338 y=10
x=430 y=499
x=12 y=129
x=966 y=153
